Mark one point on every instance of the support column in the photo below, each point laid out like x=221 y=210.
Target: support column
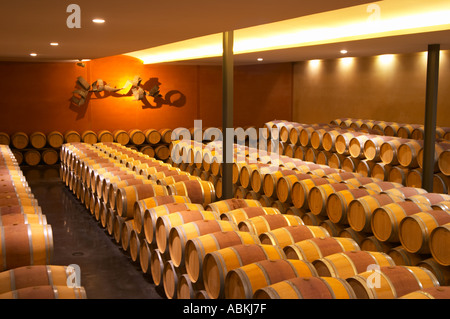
x=227 y=115
x=430 y=116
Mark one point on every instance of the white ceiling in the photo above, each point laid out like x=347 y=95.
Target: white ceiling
x=30 y=25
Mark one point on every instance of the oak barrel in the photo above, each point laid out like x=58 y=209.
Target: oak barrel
x=390 y=282
x=25 y=244
x=243 y=282
x=179 y=235
x=307 y=288
x=350 y=263
x=415 y=230
x=316 y=248
x=386 y=219
x=285 y=236
x=198 y=247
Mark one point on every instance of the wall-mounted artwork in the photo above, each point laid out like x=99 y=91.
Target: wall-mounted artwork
x=133 y=87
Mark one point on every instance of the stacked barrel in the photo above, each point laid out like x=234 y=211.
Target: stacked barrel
x=26 y=242
x=336 y=201
x=43 y=148
x=125 y=190
x=385 y=150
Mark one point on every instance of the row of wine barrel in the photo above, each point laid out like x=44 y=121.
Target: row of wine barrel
x=376 y=244
x=403 y=130
x=40 y=148
x=185 y=245
x=389 y=158
x=26 y=242
x=321 y=192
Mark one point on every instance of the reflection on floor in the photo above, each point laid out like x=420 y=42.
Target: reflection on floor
x=107 y=272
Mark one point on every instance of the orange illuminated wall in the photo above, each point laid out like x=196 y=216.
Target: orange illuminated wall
x=388 y=88
x=36 y=96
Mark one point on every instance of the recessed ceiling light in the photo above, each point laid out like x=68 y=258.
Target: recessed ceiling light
x=33 y=54
x=344 y=51
x=55 y=44
x=98 y=20
x=260 y=59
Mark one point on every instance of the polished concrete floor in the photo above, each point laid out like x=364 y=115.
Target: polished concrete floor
x=107 y=272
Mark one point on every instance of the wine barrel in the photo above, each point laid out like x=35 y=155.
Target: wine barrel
x=445 y=205
x=371 y=243
x=429 y=198
x=121 y=137
x=444 y=160
x=399 y=174
x=264 y=223
x=199 y=192
x=381 y=171
x=89 y=137
x=316 y=248
x=25 y=244
x=439 y=243
x=147 y=203
x=137 y=137
x=49 y=156
x=169 y=180
x=391 y=282
x=219 y=263
x=128 y=196
x=415 y=230
x=20 y=140
x=37 y=275
x=390 y=128
x=371 y=148
x=350 y=263
x=289 y=235
x=406 y=130
x=157 y=263
x=318 y=196
x=338 y=202
x=243 y=282
x=38 y=140
x=152 y=136
x=151 y=216
x=360 y=210
x=197 y=248
x=441 y=272
x=386 y=219
x=381 y=186
x=401 y=256
x=389 y=150
x=166 y=135
x=429 y=293
x=179 y=235
x=165 y=223
x=32 y=156
x=5 y=139
x=404 y=192
x=145 y=253
x=171 y=277
x=20 y=209
x=241 y=214
x=284 y=186
x=441 y=183
x=307 y=288
x=105 y=136
x=72 y=137
x=46 y=292
x=407 y=153
x=14 y=219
